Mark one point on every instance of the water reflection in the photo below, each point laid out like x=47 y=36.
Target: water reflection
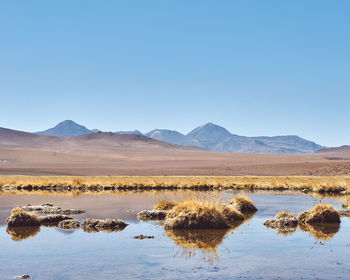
x=198 y=242
x=320 y=231
x=286 y=230
x=202 y=242
x=21 y=233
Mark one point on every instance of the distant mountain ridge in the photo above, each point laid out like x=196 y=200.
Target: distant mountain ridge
x=209 y=136
x=67 y=128
x=216 y=138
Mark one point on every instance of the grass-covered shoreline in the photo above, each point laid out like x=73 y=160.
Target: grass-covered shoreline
x=326 y=184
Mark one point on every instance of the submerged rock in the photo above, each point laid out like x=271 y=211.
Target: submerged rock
x=24 y=276
x=148 y=215
x=344 y=213
x=284 y=222
x=53 y=220
x=69 y=224
x=141 y=236
x=109 y=225
x=21 y=218
x=51 y=209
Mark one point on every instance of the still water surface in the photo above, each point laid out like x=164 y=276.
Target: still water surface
x=250 y=251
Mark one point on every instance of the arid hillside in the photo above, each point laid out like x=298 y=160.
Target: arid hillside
x=105 y=153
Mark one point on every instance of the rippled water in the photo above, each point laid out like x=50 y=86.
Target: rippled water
x=250 y=251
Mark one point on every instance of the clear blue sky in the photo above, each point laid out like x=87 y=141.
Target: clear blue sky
x=254 y=67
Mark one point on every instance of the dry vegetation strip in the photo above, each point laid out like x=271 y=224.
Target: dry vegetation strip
x=315 y=184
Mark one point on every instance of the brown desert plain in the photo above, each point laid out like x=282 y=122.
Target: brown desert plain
x=105 y=153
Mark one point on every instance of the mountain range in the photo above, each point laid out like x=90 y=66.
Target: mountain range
x=209 y=136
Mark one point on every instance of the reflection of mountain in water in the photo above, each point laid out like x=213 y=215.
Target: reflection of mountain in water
x=21 y=233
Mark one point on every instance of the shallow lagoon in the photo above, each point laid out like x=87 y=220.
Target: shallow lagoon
x=250 y=251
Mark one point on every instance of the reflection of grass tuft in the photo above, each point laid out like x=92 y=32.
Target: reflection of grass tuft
x=21 y=233
x=320 y=231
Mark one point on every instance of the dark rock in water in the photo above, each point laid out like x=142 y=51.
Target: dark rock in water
x=148 y=215
x=284 y=222
x=25 y=276
x=109 y=225
x=344 y=213
x=51 y=209
x=53 y=220
x=69 y=224
x=141 y=236
x=38 y=208
x=64 y=211
x=21 y=218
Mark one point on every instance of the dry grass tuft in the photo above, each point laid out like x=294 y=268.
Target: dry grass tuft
x=321 y=184
x=165 y=205
x=197 y=214
x=320 y=214
x=243 y=204
x=21 y=218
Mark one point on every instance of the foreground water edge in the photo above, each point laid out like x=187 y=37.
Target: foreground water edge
x=251 y=250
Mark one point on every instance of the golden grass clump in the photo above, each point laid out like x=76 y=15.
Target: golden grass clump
x=197 y=214
x=333 y=184
x=165 y=205
x=320 y=214
x=21 y=218
x=243 y=204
